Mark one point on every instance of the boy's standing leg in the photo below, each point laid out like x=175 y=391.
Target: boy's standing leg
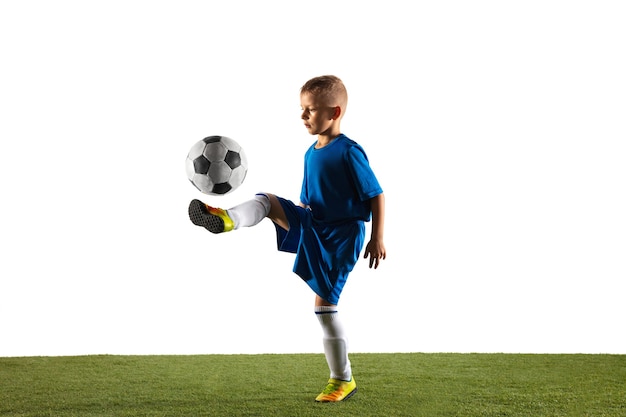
x=341 y=384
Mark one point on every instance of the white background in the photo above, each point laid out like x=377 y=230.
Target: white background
x=497 y=130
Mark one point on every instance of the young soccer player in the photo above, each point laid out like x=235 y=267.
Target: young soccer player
x=326 y=229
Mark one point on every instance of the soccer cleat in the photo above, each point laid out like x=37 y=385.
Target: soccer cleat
x=337 y=390
x=215 y=220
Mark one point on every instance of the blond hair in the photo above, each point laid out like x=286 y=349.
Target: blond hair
x=327 y=87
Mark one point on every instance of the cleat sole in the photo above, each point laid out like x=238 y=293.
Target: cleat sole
x=200 y=215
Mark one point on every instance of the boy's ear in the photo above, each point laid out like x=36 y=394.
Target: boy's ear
x=336 y=113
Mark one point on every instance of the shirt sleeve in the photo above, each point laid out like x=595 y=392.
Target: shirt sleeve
x=364 y=178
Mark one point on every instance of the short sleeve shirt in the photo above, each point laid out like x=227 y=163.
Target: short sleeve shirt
x=338 y=182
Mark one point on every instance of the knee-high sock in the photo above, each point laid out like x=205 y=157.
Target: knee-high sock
x=251 y=212
x=335 y=342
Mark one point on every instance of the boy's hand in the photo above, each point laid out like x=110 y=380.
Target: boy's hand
x=375 y=249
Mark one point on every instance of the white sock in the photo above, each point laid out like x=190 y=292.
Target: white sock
x=335 y=342
x=251 y=212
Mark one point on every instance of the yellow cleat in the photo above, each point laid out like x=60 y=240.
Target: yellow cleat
x=337 y=390
x=215 y=220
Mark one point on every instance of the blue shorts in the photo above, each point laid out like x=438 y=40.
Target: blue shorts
x=325 y=254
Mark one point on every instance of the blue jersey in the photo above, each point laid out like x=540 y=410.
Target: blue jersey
x=328 y=236
x=338 y=182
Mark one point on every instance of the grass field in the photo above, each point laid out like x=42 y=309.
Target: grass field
x=285 y=385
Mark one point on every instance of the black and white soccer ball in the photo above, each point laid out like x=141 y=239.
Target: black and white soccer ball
x=216 y=165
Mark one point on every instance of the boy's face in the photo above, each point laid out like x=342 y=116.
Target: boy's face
x=318 y=115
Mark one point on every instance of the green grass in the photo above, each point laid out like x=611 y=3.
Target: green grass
x=284 y=385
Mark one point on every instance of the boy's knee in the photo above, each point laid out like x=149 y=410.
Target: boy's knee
x=264 y=199
x=275 y=210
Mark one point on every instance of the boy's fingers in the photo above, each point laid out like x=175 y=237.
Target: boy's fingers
x=374 y=259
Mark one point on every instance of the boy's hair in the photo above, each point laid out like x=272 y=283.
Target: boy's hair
x=327 y=86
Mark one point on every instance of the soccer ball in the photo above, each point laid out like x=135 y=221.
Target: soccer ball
x=216 y=165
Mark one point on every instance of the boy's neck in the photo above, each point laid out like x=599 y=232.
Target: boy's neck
x=323 y=140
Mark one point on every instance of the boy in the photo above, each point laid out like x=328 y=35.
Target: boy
x=326 y=229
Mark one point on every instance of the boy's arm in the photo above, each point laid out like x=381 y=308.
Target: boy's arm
x=375 y=249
